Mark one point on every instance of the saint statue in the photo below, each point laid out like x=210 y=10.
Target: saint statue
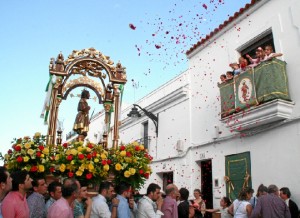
x=81 y=125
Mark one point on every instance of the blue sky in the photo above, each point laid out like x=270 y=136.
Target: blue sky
x=34 y=31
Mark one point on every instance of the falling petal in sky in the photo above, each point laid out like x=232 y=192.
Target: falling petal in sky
x=132 y=26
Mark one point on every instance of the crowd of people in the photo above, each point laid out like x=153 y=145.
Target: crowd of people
x=70 y=199
x=261 y=55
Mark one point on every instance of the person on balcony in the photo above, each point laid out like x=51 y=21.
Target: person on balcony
x=81 y=125
x=235 y=69
x=229 y=75
x=269 y=53
x=260 y=55
x=222 y=78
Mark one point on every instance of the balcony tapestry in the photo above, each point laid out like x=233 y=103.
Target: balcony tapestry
x=238 y=173
x=244 y=90
x=227 y=98
x=271 y=81
x=266 y=82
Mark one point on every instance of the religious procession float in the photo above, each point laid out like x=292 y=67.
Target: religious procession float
x=46 y=155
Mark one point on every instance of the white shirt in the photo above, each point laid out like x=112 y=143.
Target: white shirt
x=100 y=208
x=239 y=209
x=146 y=209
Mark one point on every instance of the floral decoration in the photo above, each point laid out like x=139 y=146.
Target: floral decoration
x=89 y=162
x=131 y=164
x=30 y=154
x=84 y=162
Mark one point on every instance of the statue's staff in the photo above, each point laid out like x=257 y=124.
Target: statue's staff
x=91 y=115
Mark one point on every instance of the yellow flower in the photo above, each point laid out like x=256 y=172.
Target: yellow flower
x=57 y=157
x=96 y=160
x=142 y=147
x=88 y=149
x=91 y=167
x=123 y=153
x=72 y=162
x=27 y=145
x=118 y=167
x=37 y=134
x=41 y=168
x=106 y=167
x=80 y=148
x=128 y=159
x=42 y=155
x=26 y=159
x=46 y=151
x=82 y=167
x=6 y=156
x=30 y=152
x=74 y=151
x=62 y=168
x=68 y=152
x=127 y=174
x=79 y=173
x=103 y=156
x=132 y=171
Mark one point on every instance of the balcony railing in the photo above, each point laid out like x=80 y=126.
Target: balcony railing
x=266 y=84
x=145 y=141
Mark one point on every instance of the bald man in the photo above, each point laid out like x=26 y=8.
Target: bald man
x=169 y=207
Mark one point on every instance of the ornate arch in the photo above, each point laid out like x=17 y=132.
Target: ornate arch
x=87 y=64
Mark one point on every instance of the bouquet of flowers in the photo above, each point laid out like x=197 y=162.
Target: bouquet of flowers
x=131 y=164
x=84 y=162
x=30 y=154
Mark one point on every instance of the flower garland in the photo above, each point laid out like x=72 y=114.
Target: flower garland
x=89 y=162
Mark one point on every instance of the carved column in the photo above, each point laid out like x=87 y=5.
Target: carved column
x=53 y=112
x=116 y=120
x=107 y=107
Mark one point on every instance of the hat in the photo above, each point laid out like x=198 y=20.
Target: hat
x=233 y=64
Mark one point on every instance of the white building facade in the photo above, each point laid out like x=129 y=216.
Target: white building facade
x=194 y=147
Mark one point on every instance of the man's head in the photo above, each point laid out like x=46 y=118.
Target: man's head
x=172 y=191
x=106 y=189
x=184 y=194
x=285 y=193
x=21 y=181
x=71 y=190
x=273 y=189
x=39 y=185
x=123 y=189
x=83 y=194
x=54 y=190
x=153 y=191
x=5 y=181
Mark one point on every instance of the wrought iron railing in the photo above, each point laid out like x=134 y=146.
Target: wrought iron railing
x=145 y=141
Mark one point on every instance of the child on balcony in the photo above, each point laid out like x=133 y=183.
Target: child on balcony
x=235 y=68
x=222 y=78
x=229 y=75
x=269 y=54
x=243 y=64
x=259 y=57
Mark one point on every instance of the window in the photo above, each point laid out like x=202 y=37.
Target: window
x=265 y=38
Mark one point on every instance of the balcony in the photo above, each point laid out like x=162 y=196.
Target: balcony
x=256 y=97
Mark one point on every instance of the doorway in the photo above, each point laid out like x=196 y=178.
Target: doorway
x=206 y=184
